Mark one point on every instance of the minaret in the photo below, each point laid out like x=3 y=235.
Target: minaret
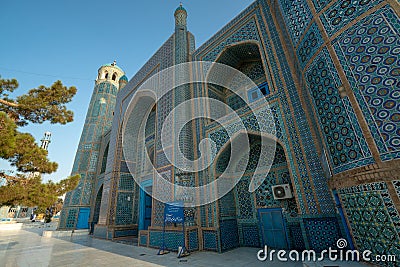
x=45 y=141
x=76 y=210
x=185 y=142
x=181 y=36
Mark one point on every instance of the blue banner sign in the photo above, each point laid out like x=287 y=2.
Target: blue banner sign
x=173 y=212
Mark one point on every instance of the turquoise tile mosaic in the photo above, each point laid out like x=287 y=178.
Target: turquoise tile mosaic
x=297 y=63
x=310 y=43
x=368 y=52
x=297 y=17
x=343 y=139
x=373 y=218
x=343 y=12
x=322 y=233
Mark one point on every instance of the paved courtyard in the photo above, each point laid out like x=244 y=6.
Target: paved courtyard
x=27 y=247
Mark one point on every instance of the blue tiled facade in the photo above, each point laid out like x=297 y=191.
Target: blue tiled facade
x=97 y=124
x=329 y=71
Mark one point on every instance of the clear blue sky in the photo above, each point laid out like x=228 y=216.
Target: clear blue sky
x=45 y=41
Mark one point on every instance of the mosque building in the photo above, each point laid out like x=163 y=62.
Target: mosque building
x=326 y=74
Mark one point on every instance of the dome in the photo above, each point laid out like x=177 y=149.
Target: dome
x=123 y=78
x=114 y=64
x=180 y=9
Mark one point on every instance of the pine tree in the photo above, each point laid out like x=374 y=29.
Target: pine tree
x=20 y=149
x=38 y=105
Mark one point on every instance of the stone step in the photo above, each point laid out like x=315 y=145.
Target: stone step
x=59 y=233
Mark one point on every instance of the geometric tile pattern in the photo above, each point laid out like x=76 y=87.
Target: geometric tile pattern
x=98 y=121
x=220 y=138
x=210 y=240
x=369 y=52
x=124 y=208
x=296 y=236
x=309 y=45
x=227 y=206
x=158 y=213
x=250 y=236
x=374 y=220
x=297 y=130
x=245 y=203
x=172 y=239
x=297 y=17
x=229 y=234
x=193 y=239
x=296 y=159
x=340 y=136
x=126 y=182
x=264 y=197
x=320 y=4
x=322 y=233
x=342 y=12
x=71 y=219
x=247 y=32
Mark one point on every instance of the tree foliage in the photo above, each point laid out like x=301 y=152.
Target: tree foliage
x=36 y=106
x=30 y=191
x=21 y=150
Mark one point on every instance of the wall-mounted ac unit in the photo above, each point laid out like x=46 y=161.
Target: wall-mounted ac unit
x=281 y=191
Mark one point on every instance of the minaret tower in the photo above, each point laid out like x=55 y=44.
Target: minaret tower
x=110 y=79
x=45 y=141
x=183 y=41
x=181 y=36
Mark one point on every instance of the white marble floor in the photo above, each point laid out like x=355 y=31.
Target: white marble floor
x=26 y=247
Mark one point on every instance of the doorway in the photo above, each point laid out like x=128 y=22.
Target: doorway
x=146 y=205
x=83 y=218
x=273 y=228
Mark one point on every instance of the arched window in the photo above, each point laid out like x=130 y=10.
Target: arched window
x=114 y=77
x=106 y=76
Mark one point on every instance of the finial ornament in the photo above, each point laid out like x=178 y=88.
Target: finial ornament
x=114 y=63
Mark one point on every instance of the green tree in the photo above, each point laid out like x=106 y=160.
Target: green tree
x=36 y=106
x=20 y=149
x=30 y=191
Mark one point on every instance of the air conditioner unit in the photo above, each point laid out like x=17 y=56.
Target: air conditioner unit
x=281 y=191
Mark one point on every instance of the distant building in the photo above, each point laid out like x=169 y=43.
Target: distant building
x=330 y=73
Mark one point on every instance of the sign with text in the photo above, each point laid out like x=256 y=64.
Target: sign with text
x=173 y=212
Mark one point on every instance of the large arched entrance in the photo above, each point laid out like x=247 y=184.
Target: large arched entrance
x=257 y=218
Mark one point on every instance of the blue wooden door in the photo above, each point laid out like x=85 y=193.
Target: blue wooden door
x=145 y=205
x=147 y=211
x=273 y=228
x=83 y=218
